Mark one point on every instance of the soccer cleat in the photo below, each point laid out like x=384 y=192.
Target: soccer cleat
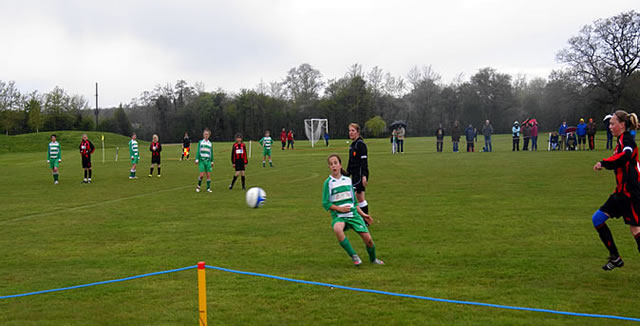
x=378 y=262
x=209 y=190
x=55 y=182
x=613 y=263
x=197 y=188
x=89 y=180
x=158 y=176
x=356 y=260
x=130 y=178
x=230 y=187
x=84 y=180
x=150 y=175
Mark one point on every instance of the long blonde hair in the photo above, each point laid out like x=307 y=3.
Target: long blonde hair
x=630 y=119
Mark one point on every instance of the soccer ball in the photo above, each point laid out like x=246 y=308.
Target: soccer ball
x=256 y=197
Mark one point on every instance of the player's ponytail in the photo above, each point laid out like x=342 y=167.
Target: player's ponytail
x=339 y=160
x=633 y=121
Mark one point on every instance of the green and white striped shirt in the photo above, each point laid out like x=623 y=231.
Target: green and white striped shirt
x=54 y=151
x=133 y=148
x=205 y=151
x=266 y=142
x=339 y=192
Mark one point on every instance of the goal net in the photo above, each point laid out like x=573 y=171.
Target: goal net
x=315 y=129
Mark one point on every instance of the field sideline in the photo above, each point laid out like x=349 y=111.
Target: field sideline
x=502 y=228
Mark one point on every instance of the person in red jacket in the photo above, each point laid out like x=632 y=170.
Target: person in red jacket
x=86 y=149
x=625 y=201
x=283 y=138
x=238 y=160
x=155 y=149
x=290 y=139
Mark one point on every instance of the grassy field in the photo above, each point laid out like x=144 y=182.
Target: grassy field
x=502 y=227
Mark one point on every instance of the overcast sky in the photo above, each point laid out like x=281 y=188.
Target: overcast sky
x=131 y=46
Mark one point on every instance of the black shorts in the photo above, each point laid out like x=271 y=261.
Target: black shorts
x=582 y=139
x=357 y=186
x=155 y=159
x=239 y=165
x=86 y=162
x=620 y=205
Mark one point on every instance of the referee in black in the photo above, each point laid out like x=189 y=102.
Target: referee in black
x=358 y=167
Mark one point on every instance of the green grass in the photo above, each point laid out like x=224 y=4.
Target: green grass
x=69 y=140
x=502 y=227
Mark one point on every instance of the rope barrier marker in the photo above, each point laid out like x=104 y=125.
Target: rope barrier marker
x=202 y=293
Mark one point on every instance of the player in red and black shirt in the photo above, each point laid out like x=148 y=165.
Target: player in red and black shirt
x=283 y=138
x=238 y=160
x=358 y=167
x=625 y=201
x=86 y=149
x=155 y=149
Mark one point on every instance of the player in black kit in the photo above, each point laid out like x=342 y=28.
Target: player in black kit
x=358 y=167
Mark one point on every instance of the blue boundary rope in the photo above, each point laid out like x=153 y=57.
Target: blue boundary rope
x=557 y=312
x=99 y=283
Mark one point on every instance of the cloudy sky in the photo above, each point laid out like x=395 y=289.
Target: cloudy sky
x=131 y=46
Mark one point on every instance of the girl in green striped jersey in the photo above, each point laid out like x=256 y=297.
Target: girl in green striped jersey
x=338 y=198
x=54 y=157
x=134 y=153
x=204 y=159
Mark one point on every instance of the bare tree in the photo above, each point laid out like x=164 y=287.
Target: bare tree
x=605 y=54
x=416 y=75
x=304 y=83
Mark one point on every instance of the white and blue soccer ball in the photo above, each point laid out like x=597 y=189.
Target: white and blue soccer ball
x=256 y=197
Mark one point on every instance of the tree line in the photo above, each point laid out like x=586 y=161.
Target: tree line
x=600 y=74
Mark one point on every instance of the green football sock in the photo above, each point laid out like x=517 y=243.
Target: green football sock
x=208 y=184
x=346 y=245
x=199 y=182
x=55 y=177
x=372 y=252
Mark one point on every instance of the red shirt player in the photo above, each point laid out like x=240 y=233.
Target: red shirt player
x=86 y=149
x=283 y=138
x=238 y=160
x=290 y=139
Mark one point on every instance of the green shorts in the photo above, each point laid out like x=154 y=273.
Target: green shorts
x=204 y=166
x=356 y=223
x=53 y=164
x=135 y=160
x=266 y=152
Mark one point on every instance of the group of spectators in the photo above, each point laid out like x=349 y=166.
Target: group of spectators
x=471 y=135
x=575 y=138
x=529 y=131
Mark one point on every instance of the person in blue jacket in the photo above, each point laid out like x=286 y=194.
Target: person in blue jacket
x=515 y=131
x=563 y=135
x=582 y=135
x=470 y=132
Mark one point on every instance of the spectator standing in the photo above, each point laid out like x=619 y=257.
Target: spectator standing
x=326 y=138
x=526 y=136
x=471 y=135
x=563 y=135
x=439 y=138
x=487 y=131
x=534 y=136
x=455 y=136
x=401 y=132
x=290 y=139
x=394 y=141
x=591 y=132
x=581 y=132
x=515 y=131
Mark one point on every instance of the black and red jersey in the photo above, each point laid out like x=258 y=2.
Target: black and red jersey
x=155 y=149
x=238 y=153
x=358 y=165
x=626 y=167
x=86 y=148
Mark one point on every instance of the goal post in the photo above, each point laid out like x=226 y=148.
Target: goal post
x=315 y=129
